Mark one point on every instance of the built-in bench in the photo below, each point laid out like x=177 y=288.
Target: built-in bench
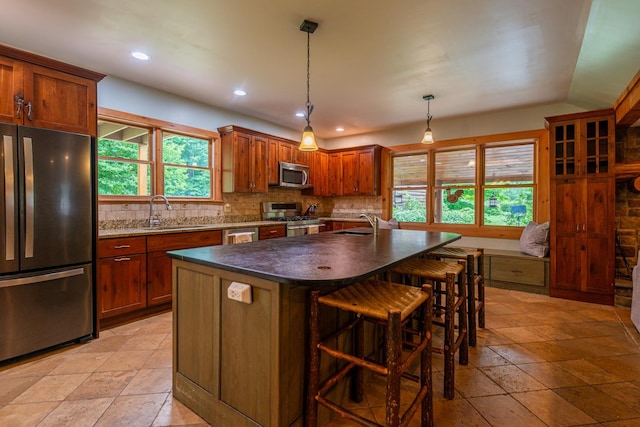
x=508 y=269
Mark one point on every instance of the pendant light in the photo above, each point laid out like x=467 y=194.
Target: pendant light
x=308 y=141
x=428 y=135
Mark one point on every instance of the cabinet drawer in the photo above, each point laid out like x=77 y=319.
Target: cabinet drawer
x=272 y=231
x=174 y=241
x=518 y=270
x=121 y=246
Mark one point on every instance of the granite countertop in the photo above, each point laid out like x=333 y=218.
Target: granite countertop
x=146 y=231
x=331 y=258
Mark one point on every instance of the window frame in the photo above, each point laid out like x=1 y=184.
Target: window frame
x=541 y=181
x=157 y=127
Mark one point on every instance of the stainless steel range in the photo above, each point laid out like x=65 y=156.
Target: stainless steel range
x=297 y=223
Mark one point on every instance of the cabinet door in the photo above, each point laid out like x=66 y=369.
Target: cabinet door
x=258 y=165
x=60 y=101
x=158 y=278
x=285 y=152
x=565 y=236
x=564 y=149
x=301 y=157
x=273 y=169
x=335 y=174
x=349 y=173
x=598 y=146
x=319 y=173
x=366 y=173
x=122 y=284
x=242 y=170
x=598 y=242
x=10 y=87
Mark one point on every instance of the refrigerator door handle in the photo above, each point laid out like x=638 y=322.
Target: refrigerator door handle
x=10 y=199
x=29 y=197
x=42 y=278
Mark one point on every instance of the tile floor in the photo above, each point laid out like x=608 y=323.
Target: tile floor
x=540 y=362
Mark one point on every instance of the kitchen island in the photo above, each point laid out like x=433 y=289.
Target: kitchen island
x=242 y=363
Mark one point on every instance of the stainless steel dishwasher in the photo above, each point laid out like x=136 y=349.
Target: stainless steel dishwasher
x=234 y=236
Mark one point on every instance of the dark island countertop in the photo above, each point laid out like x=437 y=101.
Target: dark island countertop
x=331 y=258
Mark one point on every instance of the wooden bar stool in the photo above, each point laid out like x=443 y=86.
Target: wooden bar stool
x=447 y=274
x=474 y=262
x=393 y=305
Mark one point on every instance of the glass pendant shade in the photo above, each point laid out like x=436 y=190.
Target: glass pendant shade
x=308 y=141
x=428 y=136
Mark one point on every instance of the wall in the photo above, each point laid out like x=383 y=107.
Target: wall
x=627 y=203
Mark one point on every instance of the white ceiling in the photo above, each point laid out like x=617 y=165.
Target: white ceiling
x=371 y=60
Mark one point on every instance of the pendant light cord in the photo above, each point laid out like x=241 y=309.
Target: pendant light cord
x=308 y=105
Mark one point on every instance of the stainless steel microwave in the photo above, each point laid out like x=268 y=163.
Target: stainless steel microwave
x=293 y=175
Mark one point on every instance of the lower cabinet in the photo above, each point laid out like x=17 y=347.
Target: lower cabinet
x=134 y=273
x=272 y=231
x=122 y=273
x=344 y=225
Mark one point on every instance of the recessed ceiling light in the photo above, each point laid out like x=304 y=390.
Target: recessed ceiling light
x=140 y=55
x=239 y=92
x=299 y=114
x=340 y=129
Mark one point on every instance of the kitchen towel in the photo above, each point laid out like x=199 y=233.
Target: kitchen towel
x=313 y=229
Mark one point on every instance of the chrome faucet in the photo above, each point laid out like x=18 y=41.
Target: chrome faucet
x=373 y=220
x=155 y=221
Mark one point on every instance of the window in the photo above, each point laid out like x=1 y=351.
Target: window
x=139 y=157
x=487 y=183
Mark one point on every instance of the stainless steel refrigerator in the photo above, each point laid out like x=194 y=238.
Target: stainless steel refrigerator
x=46 y=239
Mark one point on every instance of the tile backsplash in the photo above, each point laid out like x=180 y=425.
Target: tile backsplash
x=236 y=207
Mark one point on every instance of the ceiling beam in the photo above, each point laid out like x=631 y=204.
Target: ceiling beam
x=627 y=105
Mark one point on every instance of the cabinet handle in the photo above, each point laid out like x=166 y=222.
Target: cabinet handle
x=584 y=227
x=122 y=259
x=577 y=228
x=19 y=101
x=121 y=246
x=28 y=105
x=273 y=231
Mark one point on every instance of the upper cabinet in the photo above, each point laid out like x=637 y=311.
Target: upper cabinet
x=582 y=146
x=44 y=93
x=244 y=161
x=288 y=152
x=361 y=172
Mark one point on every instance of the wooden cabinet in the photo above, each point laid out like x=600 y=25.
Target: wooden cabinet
x=273 y=169
x=288 y=152
x=582 y=231
x=244 y=162
x=272 y=231
x=44 y=93
x=121 y=275
x=345 y=225
x=159 y=284
x=335 y=174
x=361 y=172
x=319 y=174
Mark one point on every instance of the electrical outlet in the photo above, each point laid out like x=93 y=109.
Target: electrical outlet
x=239 y=292
x=227 y=208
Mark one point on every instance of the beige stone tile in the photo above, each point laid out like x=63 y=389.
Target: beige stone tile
x=149 y=381
x=504 y=411
x=133 y=411
x=516 y=353
x=104 y=344
x=473 y=383
x=174 y=413
x=102 y=384
x=626 y=366
x=26 y=414
x=12 y=387
x=597 y=404
x=143 y=342
x=551 y=350
x=336 y=421
x=51 y=388
x=521 y=334
x=627 y=393
x=552 y=409
x=161 y=358
x=40 y=366
x=512 y=379
x=485 y=356
x=79 y=363
x=588 y=372
x=550 y=375
x=76 y=413
x=125 y=361
x=551 y=332
x=623 y=423
x=457 y=412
